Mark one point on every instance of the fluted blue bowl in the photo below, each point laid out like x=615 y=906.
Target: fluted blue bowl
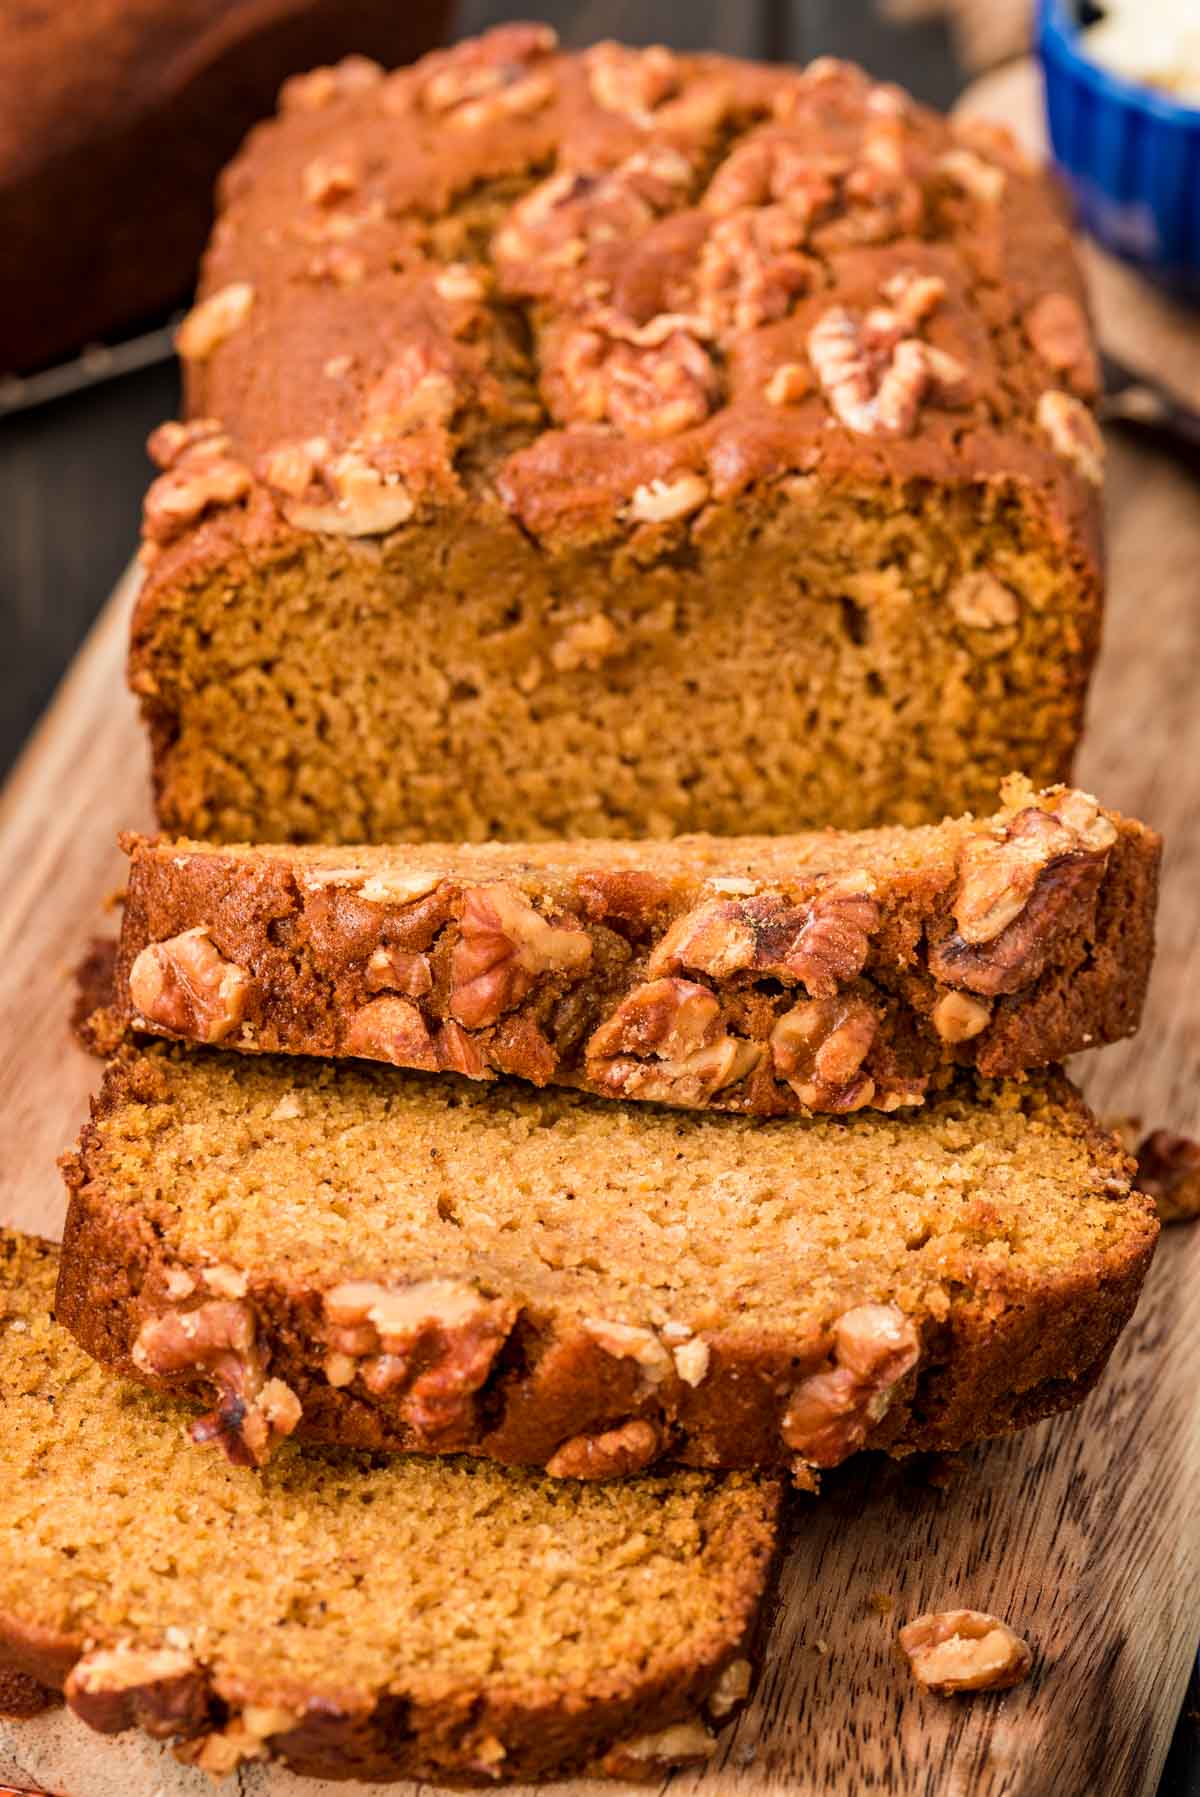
x=1130 y=154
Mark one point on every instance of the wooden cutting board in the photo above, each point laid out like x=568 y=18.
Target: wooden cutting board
x=1083 y=1532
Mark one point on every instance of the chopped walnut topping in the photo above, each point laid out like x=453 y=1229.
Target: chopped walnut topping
x=731 y=1688
x=1073 y=434
x=327 y=179
x=487 y=67
x=818 y=1049
x=631 y=81
x=218 y=1339
x=434 y=1342
x=751 y=269
x=216 y=318
x=197 y=439
x=399 y=970
x=1001 y=866
x=874 y=383
x=1168 y=1169
x=461 y=283
x=692 y=1360
x=457 y=1053
x=982 y=602
x=613 y=1454
x=399 y=888
x=821 y=943
x=832 y=1412
x=1057 y=329
x=662 y=501
x=362 y=501
x=189 y=491
x=319 y=88
x=666 y=1040
x=115 y=1688
x=957 y=1017
x=965 y=1650
x=646 y=392
x=186 y=987
x=504 y=947
x=586 y=643
x=980 y=180
x=391 y=1029
x=551 y=228
x=789 y=384
x=627 y=1341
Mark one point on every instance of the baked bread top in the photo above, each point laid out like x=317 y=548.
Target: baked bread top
x=356 y=1618
x=598 y=291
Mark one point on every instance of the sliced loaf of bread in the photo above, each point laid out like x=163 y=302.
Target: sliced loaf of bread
x=352 y=1616
x=393 y=1260
x=768 y=976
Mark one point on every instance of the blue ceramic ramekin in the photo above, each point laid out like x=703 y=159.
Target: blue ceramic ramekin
x=1130 y=154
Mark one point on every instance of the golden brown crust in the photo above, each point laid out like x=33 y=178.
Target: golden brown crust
x=1013 y=1342
x=138 y=1669
x=613 y=326
x=765 y=978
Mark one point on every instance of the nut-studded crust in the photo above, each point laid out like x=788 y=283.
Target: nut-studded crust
x=607 y=325
x=769 y=978
x=218 y=1714
x=1012 y=1344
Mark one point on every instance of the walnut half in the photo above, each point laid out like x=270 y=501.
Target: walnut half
x=186 y=987
x=965 y=1650
x=667 y=1041
x=218 y=1339
x=505 y=945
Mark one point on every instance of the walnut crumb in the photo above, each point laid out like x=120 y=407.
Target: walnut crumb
x=216 y=318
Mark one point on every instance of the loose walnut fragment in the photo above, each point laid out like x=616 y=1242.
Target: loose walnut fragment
x=433 y=1342
x=218 y=1339
x=731 y=1688
x=1057 y=329
x=957 y=1017
x=832 y=1412
x=186 y=987
x=820 y=944
x=391 y=1029
x=818 y=1049
x=505 y=945
x=215 y=319
x=666 y=1041
x=982 y=602
x=613 y=1454
x=965 y=1650
x=1073 y=434
x=1017 y=880
x=1168 y=1169
x=159 y=1689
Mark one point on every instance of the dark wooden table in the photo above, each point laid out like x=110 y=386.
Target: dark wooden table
x=72 y=472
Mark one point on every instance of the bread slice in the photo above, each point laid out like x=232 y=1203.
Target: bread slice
x=355 y=1617
x=807 y=973
x=391 y=1260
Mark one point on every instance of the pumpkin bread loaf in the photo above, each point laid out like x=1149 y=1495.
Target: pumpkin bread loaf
x=394 y=1260
x=619 y=444
x=352 y=1616
x=820 y=973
